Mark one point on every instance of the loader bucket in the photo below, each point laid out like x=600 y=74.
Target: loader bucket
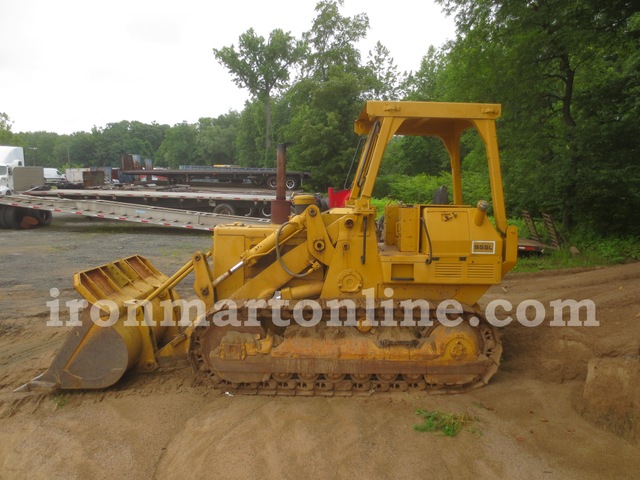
x=97 y=353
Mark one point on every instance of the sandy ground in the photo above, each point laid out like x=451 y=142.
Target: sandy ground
x=564 y=405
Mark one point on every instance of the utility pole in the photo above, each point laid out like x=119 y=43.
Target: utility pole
x=34 y=155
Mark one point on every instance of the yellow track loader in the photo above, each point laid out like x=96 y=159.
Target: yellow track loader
x=326 y=303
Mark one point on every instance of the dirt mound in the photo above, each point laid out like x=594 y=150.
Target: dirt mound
x=562 y=353
x=604 y=357
x=611 y=396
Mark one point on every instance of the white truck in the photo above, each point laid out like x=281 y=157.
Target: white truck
x=14 y=176
x=53 y=176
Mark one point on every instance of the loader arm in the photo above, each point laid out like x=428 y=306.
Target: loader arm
x=301 y=246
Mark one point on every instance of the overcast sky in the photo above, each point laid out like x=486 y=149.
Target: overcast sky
x=69 y=65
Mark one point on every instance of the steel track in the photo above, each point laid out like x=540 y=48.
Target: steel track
x=326 y=384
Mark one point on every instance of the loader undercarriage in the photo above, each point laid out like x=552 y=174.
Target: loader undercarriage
x=349 y=360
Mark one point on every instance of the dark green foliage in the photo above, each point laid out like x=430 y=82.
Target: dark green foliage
x=412 y=155
x=321 y=128
x=594 y=251
x=178 y=147
x=332 y=41
x=216 y=139
x=6 y=135
x=262 y=67
x=566 y=73
x=410 y=189
x=422 y=187
x=610 y=250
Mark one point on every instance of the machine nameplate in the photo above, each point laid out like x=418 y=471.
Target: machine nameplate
x=483 y=247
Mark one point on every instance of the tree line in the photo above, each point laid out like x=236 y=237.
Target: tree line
x=566 y=73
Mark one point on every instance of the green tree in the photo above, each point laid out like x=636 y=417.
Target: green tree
x=385 y=78
x=426 y=83
x=215 y=142
x=118 y=138
x=150 y=134
x=608 y=135
x=262 y=67
x=249 y=141
x=6 y=136
x=62 y=154
x=83 y=149
x=178 y=147
x=321 y=127
x=540 y=59
x=39 y=148
x=412 y=155
x=332 y=41
x=323 y=104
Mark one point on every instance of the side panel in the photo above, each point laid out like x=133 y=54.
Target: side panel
x=25 y=178
x=229 y=243
x=439 y=252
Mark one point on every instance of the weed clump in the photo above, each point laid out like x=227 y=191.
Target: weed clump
x=449 y=424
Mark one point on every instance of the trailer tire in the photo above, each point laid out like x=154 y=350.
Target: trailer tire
x=291 y=183
x=265 y=211
x=251 y=211
x=44 y=217
x=11 y=217
x=272 y=182
x=2 y=208
x=224 y=209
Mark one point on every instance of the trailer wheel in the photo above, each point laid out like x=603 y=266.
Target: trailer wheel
x=265 y=211
x=272 y=182
x=224 y=209
x=11 y=217
x=291 y=183
x=251 y=211
x=44 y=217
x=2 y=209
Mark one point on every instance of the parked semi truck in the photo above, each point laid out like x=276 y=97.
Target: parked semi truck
x=14 y=176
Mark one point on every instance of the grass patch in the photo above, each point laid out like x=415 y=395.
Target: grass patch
x=449 y=424
x=592 y=254
x=560 y=259
x=594 y=250
x=60 y=400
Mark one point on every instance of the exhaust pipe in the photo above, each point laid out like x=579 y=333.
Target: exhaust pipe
x=281 y=207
